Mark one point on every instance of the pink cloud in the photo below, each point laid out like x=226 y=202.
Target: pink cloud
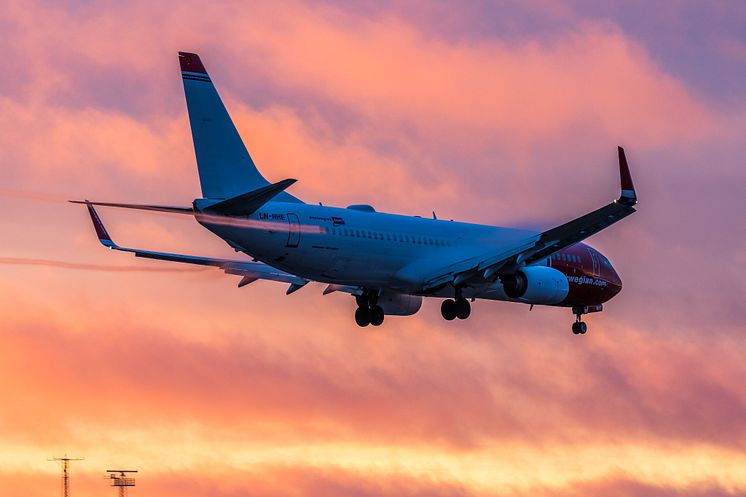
x=372 y=109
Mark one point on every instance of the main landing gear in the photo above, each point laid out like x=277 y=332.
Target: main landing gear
x=459 y=307
x=368 y=311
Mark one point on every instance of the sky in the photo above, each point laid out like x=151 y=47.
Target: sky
x=505 y=113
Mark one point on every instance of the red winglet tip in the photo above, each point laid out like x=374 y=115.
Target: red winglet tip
x=190 y=62
x=624 y=175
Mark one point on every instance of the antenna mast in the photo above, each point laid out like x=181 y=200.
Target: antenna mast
x=65 y=472
x=121 y=480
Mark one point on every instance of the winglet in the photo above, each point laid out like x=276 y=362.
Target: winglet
x=628 y=196
x=103 y=235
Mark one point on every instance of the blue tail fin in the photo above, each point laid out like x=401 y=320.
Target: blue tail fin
x=226 y=169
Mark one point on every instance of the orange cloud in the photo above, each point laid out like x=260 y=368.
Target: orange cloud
x=182 y=371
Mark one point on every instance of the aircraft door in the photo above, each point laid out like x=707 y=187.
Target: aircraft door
x=293 y=230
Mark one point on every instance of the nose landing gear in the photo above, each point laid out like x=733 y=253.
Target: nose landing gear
x=579 y=327
x=368 y=311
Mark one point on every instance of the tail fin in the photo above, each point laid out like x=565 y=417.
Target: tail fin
x=226 y=169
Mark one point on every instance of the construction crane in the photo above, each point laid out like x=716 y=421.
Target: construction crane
x=65 y=461
x=120 y=479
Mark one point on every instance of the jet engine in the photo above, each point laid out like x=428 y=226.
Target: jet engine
x=399 y=304
x=536 y=285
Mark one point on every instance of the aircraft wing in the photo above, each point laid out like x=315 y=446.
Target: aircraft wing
x=251 y=271
x=541 y=246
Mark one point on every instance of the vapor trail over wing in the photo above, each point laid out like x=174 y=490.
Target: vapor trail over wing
x=142 y=207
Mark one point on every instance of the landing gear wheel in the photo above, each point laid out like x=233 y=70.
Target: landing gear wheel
x=362 y=316
x=579 y=328
x=376 y=315
x=448 y=309
x=463 y=308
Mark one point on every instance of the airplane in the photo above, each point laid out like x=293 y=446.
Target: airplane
x=387 y=262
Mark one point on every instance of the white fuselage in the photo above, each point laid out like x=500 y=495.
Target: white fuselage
x=361 y=248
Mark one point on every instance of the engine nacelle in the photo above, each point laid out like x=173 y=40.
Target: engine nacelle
x=536 y=285
x=399 y=304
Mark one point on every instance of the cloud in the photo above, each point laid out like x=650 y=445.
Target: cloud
x=372 y=106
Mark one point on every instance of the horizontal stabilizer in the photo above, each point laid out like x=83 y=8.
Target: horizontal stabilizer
x=247 y=203
x=142 y=207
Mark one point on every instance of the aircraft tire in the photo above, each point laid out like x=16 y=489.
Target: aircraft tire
x=362 y=316
x=448 y=309
x=463 y=308
x=376 y=315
